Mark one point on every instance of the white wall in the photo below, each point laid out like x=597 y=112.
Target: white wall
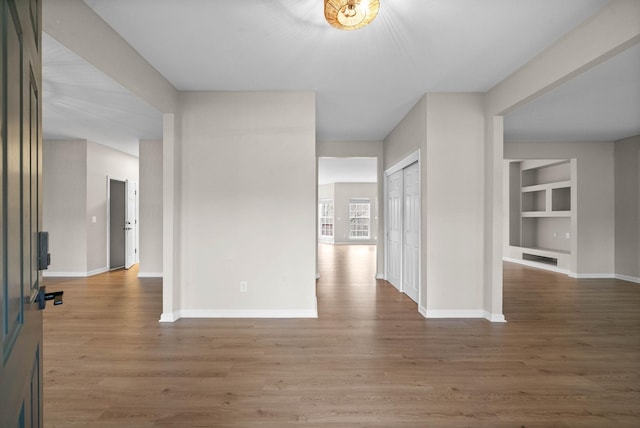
x=150 y=201
x=103 y=161
x=64 y=172
x=409 y=135
x=453 y=207
x=627 y=207
x=75 y=185
x=325 y=191
x=248 y=204
x=342 y=193
x=595 y=211
x=449 y=130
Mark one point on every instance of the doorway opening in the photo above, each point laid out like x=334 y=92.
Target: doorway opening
x=348 y=207
x=122 y=223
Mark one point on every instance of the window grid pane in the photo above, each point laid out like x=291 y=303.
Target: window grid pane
x=359 y=218
x=326 y=218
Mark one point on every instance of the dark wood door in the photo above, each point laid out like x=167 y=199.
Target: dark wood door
x=20 y=180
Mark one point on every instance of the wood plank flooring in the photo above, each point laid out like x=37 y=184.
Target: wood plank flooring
x=569 y=356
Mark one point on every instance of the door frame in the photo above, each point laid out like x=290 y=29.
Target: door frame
x=108 y=220
x=412 y=158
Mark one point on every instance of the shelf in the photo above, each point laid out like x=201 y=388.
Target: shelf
x=541 y=163
x=544 y=214
x=541 y=211
x=554 y=185
x=534 y=201
x=545 y=252
x=561 y=199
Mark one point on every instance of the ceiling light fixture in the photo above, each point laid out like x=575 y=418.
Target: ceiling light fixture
x=350 y=14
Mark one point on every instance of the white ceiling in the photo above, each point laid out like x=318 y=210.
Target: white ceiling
x=81 y=102
x=347 y=170
x=365 y=81
x=602 y=104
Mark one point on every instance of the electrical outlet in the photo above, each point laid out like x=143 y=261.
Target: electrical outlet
x=555 y=234
x=243 y=286
x=567 y=235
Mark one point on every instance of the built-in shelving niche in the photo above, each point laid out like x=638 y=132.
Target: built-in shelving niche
x=541 y=218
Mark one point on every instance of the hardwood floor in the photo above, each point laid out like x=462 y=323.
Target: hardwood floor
x=568 y=357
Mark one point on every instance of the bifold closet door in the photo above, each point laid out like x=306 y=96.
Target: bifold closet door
x=394 y=229
x=411 y=232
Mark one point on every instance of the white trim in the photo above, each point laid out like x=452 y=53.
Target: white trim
x=169 y=317
x=248 y=313
x=54 y=274
x=592 y=275
x=537 y=265
x=403 y=163
x=497 y=318
x=422 y=311
x=380 y=276
x=354 y=242
x=430 y=313
x=97 y=271
x=149 y=274
x=494 y=317
x=627 y=278
x=385 y=225
x=573 y=274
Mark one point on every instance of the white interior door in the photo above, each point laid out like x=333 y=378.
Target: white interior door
x=394 y=229
x=130 y=224
x=411 y=232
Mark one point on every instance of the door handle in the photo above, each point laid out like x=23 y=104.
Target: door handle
x=43 y=296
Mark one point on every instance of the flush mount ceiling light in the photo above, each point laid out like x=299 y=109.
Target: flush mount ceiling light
x=350 y=14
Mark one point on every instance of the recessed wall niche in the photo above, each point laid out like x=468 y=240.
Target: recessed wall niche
x=541 y=217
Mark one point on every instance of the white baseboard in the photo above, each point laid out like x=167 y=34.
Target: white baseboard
x=430 y=313
x=380 y=276
x=628 y=278
x=592 y=275
x=97 y=271
x=248 y=313
x=55 y=274
x=494 y=317
x=149 y=274
x=169 y=317
x=355 y=243
x=422 y=310
x=537 y=265
x=497 y=318
x=573 y=274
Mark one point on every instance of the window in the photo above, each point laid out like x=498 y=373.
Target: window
x=359 y=218
x=326 y=218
